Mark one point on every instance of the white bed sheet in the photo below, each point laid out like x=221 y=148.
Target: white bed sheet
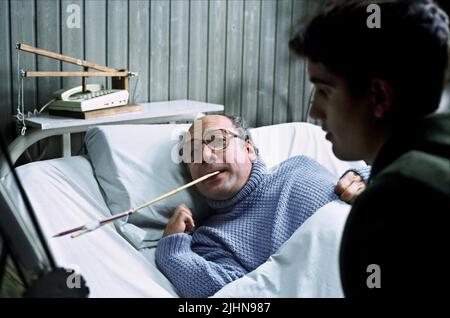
x=64 y=194
x=305 y=266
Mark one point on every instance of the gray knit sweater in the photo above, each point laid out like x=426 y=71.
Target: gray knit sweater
x=243 y=232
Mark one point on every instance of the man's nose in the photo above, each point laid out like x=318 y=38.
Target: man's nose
x=208 y=155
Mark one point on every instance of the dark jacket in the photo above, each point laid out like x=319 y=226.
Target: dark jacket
x=399 y=223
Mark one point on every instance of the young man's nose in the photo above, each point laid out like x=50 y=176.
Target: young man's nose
x=315 y=112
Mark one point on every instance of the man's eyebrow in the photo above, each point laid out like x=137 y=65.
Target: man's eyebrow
x=316 y=80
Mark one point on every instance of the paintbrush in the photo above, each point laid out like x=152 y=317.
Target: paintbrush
x=89 y=227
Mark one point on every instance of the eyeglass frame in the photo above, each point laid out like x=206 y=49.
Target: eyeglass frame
x=228 y=133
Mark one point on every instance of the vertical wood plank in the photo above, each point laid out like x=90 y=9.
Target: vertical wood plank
x=6 y=106
x=48 y=28
x=281 y=72
x=71 y=42
x=139 y=49
x=23 y=31
x=48 y=38
x=312 y=7
x=297 y=69
x=95 y=45
x=159 y=48
x=216 y=51
x=198 y=49
x=117 y=34
x=233 y=66
x=266 y=62
x=250 y=63
x=179 y=42
x=95 y=23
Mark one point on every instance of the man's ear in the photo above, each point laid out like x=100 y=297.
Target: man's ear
x=381 y=97
x=250 y=150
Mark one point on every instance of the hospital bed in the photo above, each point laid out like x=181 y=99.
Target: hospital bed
x=127 y=165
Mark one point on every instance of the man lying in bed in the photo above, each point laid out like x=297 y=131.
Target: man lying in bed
x=253 y=211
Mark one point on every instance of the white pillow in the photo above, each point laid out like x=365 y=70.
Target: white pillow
x=133 y=164
x=277 y=143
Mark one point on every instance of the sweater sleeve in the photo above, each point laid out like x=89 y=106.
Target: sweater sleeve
x=363 y=172
x=193 y=275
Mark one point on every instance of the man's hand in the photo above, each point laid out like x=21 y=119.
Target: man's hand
x=180 y=222
x=350 y=186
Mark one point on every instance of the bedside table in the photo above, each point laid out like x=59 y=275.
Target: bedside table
x=44 y=125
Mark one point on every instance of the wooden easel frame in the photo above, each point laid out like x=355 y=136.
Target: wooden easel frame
x=119 y=78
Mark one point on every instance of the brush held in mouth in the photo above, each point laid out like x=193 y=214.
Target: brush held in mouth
x=90 y=226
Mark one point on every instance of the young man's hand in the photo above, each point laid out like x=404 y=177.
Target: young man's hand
x=350 y=186
x=180 y=222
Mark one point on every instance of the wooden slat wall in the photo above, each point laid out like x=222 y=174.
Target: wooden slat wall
x=266 y=63
x=22 y=26
x=282 y=58
x=216 y=51
x=159 y=50
x=198 y=49
x=179 y=50
x=72 y=44
x=250 y=60
x=6 y=85
x=95 y=23
x=229 y=52
x=139 y=46
x=233 y=62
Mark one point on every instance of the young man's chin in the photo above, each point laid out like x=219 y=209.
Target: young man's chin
x=344 y=155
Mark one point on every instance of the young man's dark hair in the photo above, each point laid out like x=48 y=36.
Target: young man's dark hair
x=409 y=50
x=377 y=90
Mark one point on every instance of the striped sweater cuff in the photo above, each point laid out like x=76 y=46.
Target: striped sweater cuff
x=174 y=244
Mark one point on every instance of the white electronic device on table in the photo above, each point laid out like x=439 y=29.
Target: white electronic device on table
x=95 y=97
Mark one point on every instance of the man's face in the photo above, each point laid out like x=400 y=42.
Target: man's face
x=348 y=120
x=234 y=161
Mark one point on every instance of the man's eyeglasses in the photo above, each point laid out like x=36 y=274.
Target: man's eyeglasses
x=214 y=139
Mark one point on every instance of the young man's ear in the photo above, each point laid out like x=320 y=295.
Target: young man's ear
x=381 y=97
